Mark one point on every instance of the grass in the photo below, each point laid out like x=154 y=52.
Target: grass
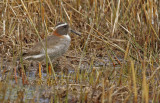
x=115 y=60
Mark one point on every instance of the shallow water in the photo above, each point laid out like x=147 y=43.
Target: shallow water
x=38 y=90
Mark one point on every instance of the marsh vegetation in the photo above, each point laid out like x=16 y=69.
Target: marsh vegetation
x=117 y=58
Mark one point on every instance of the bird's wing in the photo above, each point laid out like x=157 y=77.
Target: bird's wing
x=38 y=47
x=35 y=50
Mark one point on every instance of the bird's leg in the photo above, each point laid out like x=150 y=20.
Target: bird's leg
x=15 y=75
x=49 y=69
x=40 y=73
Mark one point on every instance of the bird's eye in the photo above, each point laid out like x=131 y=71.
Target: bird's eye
x=65 y=26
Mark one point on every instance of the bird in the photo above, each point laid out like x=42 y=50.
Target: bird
x=55 y=45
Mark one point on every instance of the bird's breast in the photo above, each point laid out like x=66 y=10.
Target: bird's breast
x=60 y=48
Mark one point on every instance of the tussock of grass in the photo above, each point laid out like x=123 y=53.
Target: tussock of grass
x=115 y=60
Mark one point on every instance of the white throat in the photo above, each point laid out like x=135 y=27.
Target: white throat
x=67 y=36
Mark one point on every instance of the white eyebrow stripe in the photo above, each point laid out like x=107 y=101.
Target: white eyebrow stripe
x=61 y=25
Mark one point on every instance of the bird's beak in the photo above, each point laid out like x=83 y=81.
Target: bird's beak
x=77 y=33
